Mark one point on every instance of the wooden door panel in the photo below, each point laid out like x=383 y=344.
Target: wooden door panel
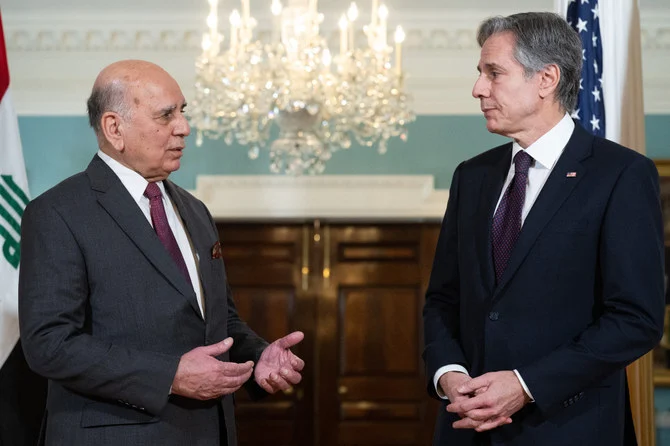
x=375 y=291
x=379 y=333
x=263 y=265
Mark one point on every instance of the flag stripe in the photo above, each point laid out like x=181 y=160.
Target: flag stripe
x=4 y=65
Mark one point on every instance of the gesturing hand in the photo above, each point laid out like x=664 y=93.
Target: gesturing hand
x=497 y=396
x=201 y=376
x=278 y=368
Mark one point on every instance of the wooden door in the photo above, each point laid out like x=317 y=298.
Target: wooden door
x=369 y=338
x=357 y=293
x=265 y=264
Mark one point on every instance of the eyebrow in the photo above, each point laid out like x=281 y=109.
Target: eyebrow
x=170 y=109
x=491 y=66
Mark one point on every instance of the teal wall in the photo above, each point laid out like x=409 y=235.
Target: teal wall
x=57 y=147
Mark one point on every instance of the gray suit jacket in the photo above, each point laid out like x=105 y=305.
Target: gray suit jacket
x=106 y=315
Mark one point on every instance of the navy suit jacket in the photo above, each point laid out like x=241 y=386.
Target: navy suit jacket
x=105 y=314
x=581 y=297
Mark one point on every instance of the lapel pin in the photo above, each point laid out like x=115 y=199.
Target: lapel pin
x=571 y=174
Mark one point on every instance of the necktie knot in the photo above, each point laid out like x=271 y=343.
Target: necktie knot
x=522 y=162
x=152 y=191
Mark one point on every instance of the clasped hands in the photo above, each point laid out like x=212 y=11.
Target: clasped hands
x=200 y=375
x=484 y=402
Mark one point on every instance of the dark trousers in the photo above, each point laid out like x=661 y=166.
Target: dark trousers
x=22 y=401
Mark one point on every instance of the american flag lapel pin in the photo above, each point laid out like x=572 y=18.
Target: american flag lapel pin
x=571 y=174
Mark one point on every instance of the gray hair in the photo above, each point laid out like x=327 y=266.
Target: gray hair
x=109 y=97
x=542 y=38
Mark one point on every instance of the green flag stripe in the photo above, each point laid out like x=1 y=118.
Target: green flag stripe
x=11 y=249
x=16 y=189
x=4 y=193
x=8 y=217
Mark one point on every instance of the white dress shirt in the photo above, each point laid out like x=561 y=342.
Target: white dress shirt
x=136 y=185
x=545 y=153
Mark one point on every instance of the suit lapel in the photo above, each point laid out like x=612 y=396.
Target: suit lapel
x=556 y=190
x=118 y=203
x=491 y=188
x=196 y=229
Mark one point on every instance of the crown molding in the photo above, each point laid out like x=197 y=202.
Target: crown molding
x=365 y=197
x=440 y=52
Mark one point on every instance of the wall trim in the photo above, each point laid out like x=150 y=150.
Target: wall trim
x=440 y=50
x=357 y=197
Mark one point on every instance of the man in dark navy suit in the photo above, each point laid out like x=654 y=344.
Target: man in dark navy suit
x=548 y=275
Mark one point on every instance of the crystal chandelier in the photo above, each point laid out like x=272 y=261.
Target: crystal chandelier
x=319 y=101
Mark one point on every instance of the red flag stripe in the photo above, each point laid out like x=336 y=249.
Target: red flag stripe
x=4 y=66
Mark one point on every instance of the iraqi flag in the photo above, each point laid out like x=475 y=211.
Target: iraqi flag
x=22 y=393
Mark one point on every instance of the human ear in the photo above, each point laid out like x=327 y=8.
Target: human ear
x=112 y=126
x=549 y=78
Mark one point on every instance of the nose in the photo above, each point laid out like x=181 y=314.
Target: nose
x=480 y=89
x=182 y=128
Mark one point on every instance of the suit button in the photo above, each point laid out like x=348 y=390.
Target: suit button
x=494 y=315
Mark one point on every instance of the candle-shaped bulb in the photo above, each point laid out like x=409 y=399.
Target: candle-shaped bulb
x=326 y=58
x=235 y=18
x=212 y=21
x=352 y=12
x=206 y=42
x=213 y=3
x=276 y=7
x=399 y=35
x=383 y=12
x=344 y=23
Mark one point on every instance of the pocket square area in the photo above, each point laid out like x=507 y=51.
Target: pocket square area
x=216 y=250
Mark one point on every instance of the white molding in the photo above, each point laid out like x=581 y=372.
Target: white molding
x=55 y=57
x=359 y=197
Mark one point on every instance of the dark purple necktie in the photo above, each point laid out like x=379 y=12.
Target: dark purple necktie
x=162 y=228
x=507 y=219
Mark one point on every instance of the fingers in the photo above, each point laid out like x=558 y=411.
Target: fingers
x=232 y=369
x=274 y=383
x=297 y=363
x=469 y=404
x=230 y=384
x=290 y=339
x=474 y=385
x=217 y=349
x=492 y=424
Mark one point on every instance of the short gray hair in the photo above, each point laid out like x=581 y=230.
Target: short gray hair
x=108 y=97
x=542 y=38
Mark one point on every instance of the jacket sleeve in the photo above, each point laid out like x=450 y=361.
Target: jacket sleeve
x=442 y=307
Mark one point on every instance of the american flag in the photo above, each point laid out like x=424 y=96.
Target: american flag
x=583 y=16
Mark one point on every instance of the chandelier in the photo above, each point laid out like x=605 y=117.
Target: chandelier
x=321 y=102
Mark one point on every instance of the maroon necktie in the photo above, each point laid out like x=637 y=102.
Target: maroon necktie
x=507 y=219
x=162 y=228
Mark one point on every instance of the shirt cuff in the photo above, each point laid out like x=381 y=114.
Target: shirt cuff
x=523 y=384
x=441 y=371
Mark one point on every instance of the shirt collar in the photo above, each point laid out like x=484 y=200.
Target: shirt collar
x=549 y=147
x=133 y=181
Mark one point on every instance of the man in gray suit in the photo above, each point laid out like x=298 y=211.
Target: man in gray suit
x=123 y=299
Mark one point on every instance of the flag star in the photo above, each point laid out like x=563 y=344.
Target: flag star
x=595 y=123
x=595 y=66
x=571 y=1
x=594 y=39
x=581 y=87
x=596 y=94
x=581 y=25
x=600 y=79
x=583 y=54
x=585 y=1
x=575 y=115
x=596 y=11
